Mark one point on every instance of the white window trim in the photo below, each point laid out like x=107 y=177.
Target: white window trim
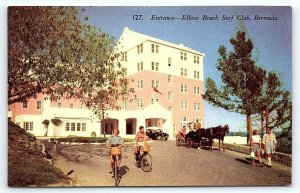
x=41 y=107
x=26 y=105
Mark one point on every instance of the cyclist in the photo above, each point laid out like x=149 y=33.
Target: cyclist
x=114 y=141
x=140 y=139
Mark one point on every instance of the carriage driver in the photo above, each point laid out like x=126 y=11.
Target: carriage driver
x=140 y=139
x=197 y=125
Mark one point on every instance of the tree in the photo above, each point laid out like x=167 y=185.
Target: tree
x=53 y=51
x=277 y=102
x=248 y=89
x=242 y=80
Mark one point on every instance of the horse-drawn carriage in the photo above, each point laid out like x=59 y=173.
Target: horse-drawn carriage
x=203 y=138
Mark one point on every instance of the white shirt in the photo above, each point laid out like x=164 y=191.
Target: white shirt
x=256 y=139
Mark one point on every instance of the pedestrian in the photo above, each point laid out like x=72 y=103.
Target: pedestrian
x=255 y=143
x=269 y=143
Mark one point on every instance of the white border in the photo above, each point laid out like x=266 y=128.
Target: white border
x=296 y=94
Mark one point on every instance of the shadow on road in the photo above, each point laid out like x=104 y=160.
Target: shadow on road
x=245 y=161
x=121 y=173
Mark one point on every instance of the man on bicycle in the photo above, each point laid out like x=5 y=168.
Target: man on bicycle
x=114 y=141
x=140 y=139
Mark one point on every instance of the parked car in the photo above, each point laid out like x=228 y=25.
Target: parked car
x=155 y=133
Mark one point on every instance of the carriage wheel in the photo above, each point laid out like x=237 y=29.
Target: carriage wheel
x=188 y=143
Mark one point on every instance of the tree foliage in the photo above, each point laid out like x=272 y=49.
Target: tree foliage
x=247 y=89
x=53 y=51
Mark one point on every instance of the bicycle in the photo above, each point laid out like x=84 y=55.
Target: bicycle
x=143 y=160
x=115 y=151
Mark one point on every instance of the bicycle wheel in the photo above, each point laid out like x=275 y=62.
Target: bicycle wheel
x=146 y=162
x=116 y=172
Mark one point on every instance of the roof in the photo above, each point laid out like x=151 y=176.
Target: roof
x=128 y=32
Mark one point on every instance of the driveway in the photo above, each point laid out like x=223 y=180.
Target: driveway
x=172 y=166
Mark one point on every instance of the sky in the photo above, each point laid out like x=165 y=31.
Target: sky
x=272 y=39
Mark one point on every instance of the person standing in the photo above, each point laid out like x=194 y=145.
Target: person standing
x=255 y=143
x=269 y=143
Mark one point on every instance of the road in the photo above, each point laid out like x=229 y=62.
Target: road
x=172 y=166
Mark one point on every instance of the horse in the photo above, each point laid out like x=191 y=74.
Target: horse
x=218 y=132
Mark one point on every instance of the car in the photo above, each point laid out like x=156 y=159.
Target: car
x=156 y=133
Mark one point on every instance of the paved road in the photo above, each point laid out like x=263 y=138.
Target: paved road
x=172 y=166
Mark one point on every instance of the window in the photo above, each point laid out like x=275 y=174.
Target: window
x=140 y=66
x=170 y=78
x=28 y=126
x=196 y=59
x=140 y=84
x=197 y=106
x=169 y=62
x=155 y=83
x=170 y=108
x=140 y=103
x=140 y=48
x=124 y=105
x=157 y=100
x=124 y=56
x=78 y=128
x=71 y=105
x=125 y=72
x=170 y=96
x=183 y=71
x=183 y=56
x=72 y=126
x=196 y=90
x=154 y=48
x=184 y=120
x=67 y=126
x=183 y=88
x=83 y=127
x=197 y=74
x=154 y=66
x=58 y=105
x=39 y=105
x=25 y=105
x=174 y=127
x=183 y=105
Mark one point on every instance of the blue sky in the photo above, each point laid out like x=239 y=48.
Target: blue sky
x=272 y=39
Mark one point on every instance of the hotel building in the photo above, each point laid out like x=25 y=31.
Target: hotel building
x=174 y=70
